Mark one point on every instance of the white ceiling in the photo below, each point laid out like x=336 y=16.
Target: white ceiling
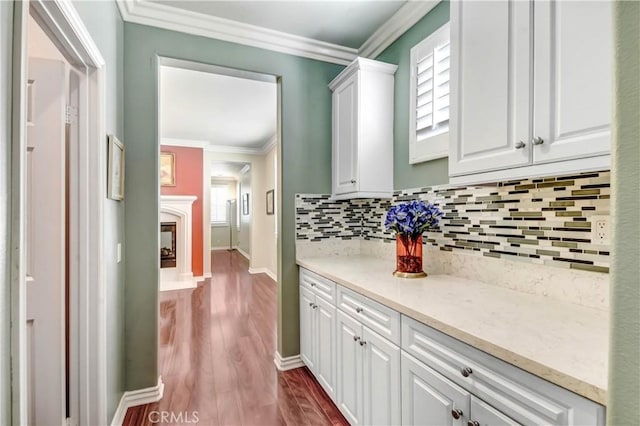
x=345 y=23
x=222 y=110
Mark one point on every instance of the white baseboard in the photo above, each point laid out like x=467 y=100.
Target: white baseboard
x=178 y=285
x=199 y=279
x=208 y=275
x=288 y=363
x=137 y=397
x=244 y=253
x=224 y=248
x=264 y=271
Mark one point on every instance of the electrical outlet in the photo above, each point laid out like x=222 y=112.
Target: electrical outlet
x=600 y=230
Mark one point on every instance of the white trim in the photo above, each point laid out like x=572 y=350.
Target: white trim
x=219 y=248
x=135 y=398
x=208 y=275
x=88 y=398
x=199 y=279
x=267 y=271
x=602 y=162
x=244 y=253
x=220 y=149
x=406 y=17
x=175 y=19
x=288 y=363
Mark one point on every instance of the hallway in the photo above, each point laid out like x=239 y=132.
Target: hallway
x=217 y=343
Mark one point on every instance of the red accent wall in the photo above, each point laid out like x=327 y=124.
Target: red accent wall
x=188 y=163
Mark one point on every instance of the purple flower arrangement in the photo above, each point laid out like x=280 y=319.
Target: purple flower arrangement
x=412 y=218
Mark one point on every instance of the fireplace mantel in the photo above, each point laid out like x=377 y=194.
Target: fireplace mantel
x=178 y=209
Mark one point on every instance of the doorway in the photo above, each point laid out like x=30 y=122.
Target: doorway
x=57 y=326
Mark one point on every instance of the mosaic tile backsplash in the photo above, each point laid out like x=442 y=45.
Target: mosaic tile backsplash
x=544 y=221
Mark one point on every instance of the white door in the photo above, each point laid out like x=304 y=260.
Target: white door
x=490 y=85
x=572 y=79
x=349 y=363
x=482 y=414
x=46 y=245
x=428 y=398
x=307 y=328
x=325 y=344
x=345 y=136
x=381 y=381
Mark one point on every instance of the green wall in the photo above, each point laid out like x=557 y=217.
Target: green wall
x=103 y=21
x=306 y=159
x=407 y=175
x=623 y=406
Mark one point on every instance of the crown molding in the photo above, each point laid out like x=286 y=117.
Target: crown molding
x=221 y=149
x=175 y=19
x=406 y=17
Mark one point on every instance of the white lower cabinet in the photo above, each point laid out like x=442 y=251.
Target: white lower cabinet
x=429 y=379
x=368 y=384
x=318 y=338
x=428 y=398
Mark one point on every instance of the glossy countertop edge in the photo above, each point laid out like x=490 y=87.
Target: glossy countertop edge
x=563 y=379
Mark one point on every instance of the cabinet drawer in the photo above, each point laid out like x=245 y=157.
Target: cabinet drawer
x=319 y=285
x=379 y=318
x=522 y=396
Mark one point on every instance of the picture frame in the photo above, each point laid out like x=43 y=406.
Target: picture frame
x=115 y=169
x=270 y=202
x=245 y=204
x=167 y=169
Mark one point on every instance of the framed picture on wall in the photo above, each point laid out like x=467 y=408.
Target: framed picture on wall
x=167 y=169
x=115 y=169
x=270 y=202
x=245 y=204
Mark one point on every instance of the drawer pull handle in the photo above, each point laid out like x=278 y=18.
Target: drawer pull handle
x=457 y=413
x=363 y=342
x=473 y=423
x=466 y=371
x=359 y=309
x=356 y=338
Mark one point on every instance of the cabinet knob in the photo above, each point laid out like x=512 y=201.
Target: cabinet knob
x=537 y=140
x=473 y=423
x=520 y=145
x=315 y=306
x=363 y=342
x=311 y=304
x=457 y=413
x=359 y=309
x=466 y=371
x=353 y=181
x=356 y=338
x=313 y=284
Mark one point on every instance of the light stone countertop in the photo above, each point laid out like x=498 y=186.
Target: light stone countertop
x=563 y=343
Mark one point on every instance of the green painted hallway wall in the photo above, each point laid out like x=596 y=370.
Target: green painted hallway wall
x=306 y=159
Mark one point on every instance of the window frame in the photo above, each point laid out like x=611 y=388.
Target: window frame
x=437 y=146
x=216 y=223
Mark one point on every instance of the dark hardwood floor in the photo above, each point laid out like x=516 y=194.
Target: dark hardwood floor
x=217 y=343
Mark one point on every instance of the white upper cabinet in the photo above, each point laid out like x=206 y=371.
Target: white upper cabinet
x=530 y=89
x=363 y=130
x=573 y=77
x=490 y=87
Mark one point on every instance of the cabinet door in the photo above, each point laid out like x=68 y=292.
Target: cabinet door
x=572 y=86
x=307 y=328
x=345 y=136
x=486 y=415
x=381 y=379
x=428 y=398
x=349 y=363
x=490 y=85
x=326 y=346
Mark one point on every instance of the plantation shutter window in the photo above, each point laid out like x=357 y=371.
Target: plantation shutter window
x=429 y=109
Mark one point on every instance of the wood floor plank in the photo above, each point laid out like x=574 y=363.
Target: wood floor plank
x=216 y=348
